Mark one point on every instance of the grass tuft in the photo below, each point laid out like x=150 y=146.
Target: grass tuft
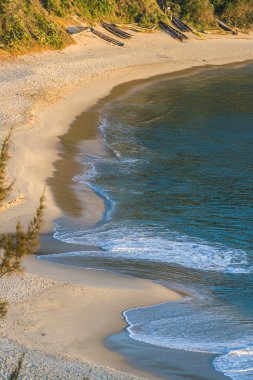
x=16 y=372
x=5 y=187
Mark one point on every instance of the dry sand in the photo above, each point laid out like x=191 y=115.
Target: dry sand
x=51 y=307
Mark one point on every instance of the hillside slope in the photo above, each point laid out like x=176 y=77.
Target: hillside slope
x=25 y=24
x=30 y=24
x=237 y=13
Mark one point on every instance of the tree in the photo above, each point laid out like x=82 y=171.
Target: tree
x=16 y=246
x=21 y=243
x=198 y=12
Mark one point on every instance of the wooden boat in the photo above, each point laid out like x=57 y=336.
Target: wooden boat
x=225 y=27
x=181 y=25
x=136 y=28
x=74 y=30
x=114 y=30
x=174 y=33
x=106 y=38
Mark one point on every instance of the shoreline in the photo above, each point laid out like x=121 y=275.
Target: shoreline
x=57 y=302
x=42 y=106
x=61 y=115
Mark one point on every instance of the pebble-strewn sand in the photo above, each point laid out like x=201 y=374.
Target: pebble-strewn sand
x=37 y=365
x=69 y=315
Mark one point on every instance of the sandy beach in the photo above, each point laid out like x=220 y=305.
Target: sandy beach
x=51 y=307
x=69 y=312
x=41 y=95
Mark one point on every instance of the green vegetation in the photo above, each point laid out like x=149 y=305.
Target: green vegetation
x=199 y=13
x=15 y=373
x=5 y=187
x=21 y=243
x=202 y=13
x=3 y=308
x=25 y=24
x=13 y=247
x=142 y=12
x=236 y=12
x=29 y=24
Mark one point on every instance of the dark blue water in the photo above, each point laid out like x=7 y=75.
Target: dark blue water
x=177 y=179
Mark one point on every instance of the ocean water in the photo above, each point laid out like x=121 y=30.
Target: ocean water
x=177 y=182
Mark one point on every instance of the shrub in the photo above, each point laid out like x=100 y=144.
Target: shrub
x=21 y=243
x=25 y=23
x=144 y=12
x=3 y=308
x=198 y=12
x=28 y=23
x=239 y=13
x=58 y=7
x=14 y=31
x=15 y=246
x=47 y=32
x=5 y=187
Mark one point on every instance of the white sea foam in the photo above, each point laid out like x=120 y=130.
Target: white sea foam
x=184 y=326
x=161 y=246
x=125 y=165
x=102 y=129
x=142 y=243
x=237 y=364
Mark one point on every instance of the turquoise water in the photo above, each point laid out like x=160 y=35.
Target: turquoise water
x=177 y=181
